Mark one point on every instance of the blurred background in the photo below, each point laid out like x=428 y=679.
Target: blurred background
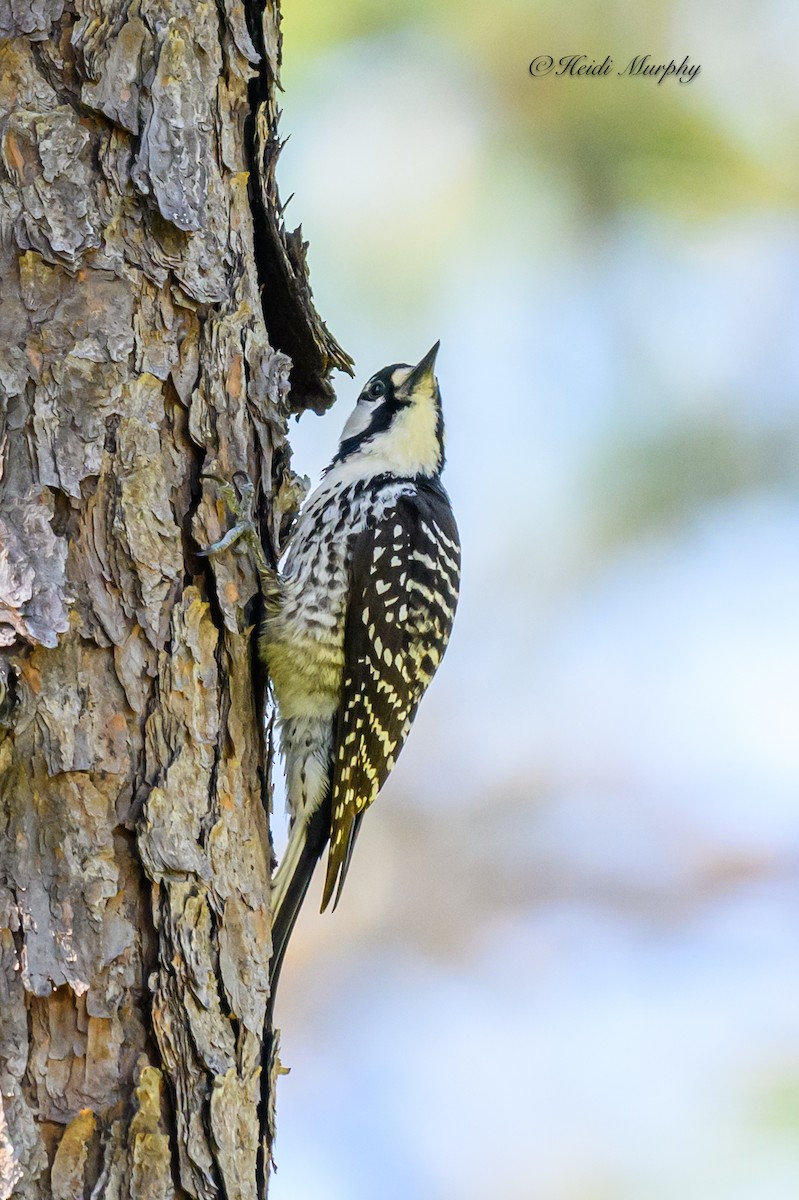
x=566 y=963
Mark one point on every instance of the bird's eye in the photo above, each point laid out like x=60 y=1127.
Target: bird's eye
x=376 y=389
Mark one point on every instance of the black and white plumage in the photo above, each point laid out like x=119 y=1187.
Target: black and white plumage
x=356 y=622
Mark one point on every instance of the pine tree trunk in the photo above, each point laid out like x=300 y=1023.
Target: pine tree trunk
x=152 y=314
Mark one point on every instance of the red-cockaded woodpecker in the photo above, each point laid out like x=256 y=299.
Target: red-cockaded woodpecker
x=357 y=619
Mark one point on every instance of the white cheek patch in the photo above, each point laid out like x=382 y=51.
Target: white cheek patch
x=358 y=420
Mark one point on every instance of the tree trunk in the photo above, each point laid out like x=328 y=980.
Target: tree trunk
x=152 y=314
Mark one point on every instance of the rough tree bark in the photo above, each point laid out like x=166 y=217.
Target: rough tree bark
x=153 y=312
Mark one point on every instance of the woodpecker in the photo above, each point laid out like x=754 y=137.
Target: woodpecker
x=356 y=621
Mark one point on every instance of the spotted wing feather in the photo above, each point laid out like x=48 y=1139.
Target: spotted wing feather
x=404 y=587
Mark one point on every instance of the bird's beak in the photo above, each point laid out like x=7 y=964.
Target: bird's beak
x=423 y=373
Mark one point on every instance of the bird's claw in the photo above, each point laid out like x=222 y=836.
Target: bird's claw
x=240 y=502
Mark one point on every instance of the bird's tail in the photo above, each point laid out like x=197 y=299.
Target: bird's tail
x=291 y=880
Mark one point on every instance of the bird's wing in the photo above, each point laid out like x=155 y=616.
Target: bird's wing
x=403 y=590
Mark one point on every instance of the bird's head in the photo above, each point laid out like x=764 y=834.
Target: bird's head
x=397 y=427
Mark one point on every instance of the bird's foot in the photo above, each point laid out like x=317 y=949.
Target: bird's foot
x=241 y=504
